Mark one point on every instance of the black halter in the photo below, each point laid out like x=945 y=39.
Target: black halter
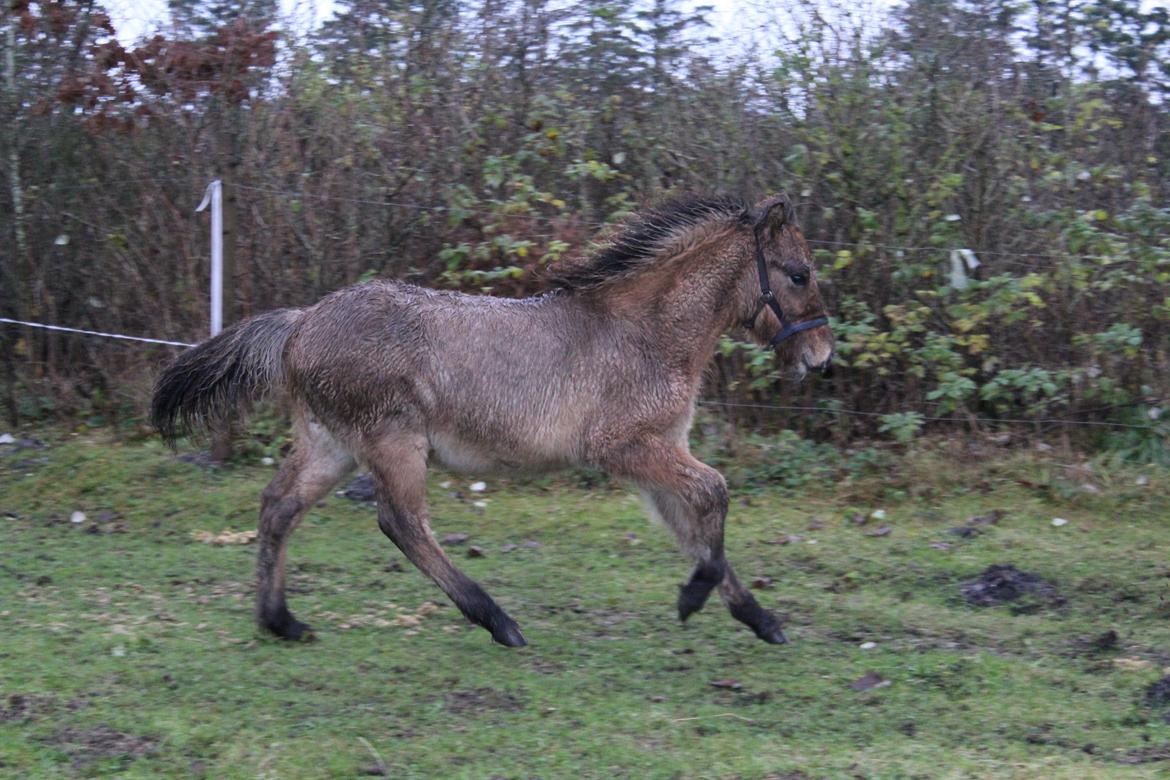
x=767 y=298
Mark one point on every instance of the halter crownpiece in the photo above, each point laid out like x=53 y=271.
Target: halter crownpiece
x=768 y=298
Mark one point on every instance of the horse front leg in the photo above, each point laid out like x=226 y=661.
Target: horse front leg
x=697 y=523
x=691 y=498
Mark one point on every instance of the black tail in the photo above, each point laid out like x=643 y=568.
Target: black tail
x=223 y=377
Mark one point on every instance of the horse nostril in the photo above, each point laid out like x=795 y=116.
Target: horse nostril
x=824 y=368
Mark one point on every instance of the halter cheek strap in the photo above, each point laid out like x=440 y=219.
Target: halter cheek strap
x=768 y=298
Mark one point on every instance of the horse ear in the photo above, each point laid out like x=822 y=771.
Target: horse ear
x=773 y=212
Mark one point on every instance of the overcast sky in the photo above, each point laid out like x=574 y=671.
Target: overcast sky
x=731 y=19
x=134 y=18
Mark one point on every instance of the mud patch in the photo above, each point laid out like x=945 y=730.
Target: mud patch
x=11 y=446
x=202 y=460
x=1104 y=643
x=28 y=464
x=91 y=744
x=481 y=700
x=1146 y=755
x=1158 y=693
x=1002 y=583
x=21 y=708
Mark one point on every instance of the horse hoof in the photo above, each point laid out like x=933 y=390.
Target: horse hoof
x=291 y=630
x=689 y=603
x=297 y=631
x=509 y=636
x=773 y=635
x=693 y=595
x=691 y=598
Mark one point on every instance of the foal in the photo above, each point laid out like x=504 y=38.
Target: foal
x=603 y=371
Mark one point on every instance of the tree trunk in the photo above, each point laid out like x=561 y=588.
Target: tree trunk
x=8 y=306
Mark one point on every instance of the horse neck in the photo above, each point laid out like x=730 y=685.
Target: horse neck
x=682 y=306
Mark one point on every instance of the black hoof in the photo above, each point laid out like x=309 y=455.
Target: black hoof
x=296 y=631
x=509 y=635
x=765 y=625
x=773 y=635
x=693 y=595
x=691 y=599
x=287 y=627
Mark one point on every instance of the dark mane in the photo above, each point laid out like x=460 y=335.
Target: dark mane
x=639 y=241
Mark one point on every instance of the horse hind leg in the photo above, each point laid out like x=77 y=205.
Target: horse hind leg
x=398 y=465
x=317 y=462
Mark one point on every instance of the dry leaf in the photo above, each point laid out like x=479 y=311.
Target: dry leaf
x=869 y=681
x=1132 y=664
x=224 y=537
x=991 y=518
x=788 y=539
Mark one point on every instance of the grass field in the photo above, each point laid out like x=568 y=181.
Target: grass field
x=126 y=643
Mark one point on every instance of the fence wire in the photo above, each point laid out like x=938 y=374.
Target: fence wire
x=560 y=219
x=122 y=336
x=703 y=402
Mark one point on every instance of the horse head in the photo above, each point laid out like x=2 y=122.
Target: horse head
x=778 y=290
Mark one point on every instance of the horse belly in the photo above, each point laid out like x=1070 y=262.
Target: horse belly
x=469 y=457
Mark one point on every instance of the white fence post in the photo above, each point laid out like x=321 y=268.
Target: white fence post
x=214 y=195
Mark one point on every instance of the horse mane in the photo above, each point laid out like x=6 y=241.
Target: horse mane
x=638 y=242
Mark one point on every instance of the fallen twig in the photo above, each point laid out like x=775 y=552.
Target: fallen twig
x=720 y=715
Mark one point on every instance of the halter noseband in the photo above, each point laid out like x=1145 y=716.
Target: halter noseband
x=768 y=298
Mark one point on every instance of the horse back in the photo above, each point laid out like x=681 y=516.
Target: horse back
x=494 y=384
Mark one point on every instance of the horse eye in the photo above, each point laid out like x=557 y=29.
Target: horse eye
x=799 y=279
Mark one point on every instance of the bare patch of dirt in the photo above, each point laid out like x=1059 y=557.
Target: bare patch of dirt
x=543 y=665
x=23 y=708
x=201 y=459
x=1106 y=642
x=97 y=742
x=28 y=464
x=1146 y=755
x=1158 y=693
x=13 y=446
x=481 y=700
x=1001 y=583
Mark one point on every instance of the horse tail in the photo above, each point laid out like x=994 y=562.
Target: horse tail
x=223 y=377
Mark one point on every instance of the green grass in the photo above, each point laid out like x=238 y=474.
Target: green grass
x=130 y=649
